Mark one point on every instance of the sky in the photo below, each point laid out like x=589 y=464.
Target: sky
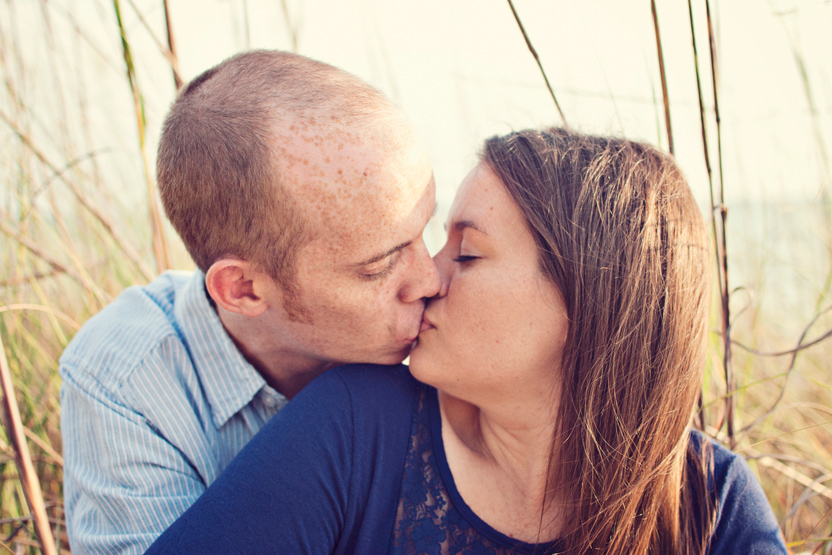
x=462 y=72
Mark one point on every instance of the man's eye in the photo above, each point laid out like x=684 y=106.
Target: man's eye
x=383 y=273
x=463 y=258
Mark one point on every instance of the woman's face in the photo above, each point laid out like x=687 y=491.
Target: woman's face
x=497 y=328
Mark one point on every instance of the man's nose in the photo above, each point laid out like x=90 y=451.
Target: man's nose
x=425 y=278
x=443 y=263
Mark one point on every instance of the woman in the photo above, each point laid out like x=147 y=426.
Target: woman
x=558 y=371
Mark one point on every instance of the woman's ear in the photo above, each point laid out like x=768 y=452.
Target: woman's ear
x=235 y=285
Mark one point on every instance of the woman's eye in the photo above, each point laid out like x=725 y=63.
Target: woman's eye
x=463 y=258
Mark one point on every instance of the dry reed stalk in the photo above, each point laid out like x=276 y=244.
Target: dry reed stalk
x=69 y=17
x=26 y=471
x=723 y=209
x=663 y=77
x=48 y=449
x=41 y=308
x=793 y=352
x=293 y=32
x=174 y=60
x=79 y=272
x=813 y=485
x=719 y=237
x=108 y=224
x=26 y=278
x=537 y=59
x=246 y=23
x=715 y=82
x=800 y=347
x=160 y=249
x=34 y=249
x=775 y=463
x=167 y=51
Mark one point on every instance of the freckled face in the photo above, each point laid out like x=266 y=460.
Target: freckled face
x=496 y=330
x=363 y=280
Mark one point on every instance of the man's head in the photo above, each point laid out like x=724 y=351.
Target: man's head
x=302 y=193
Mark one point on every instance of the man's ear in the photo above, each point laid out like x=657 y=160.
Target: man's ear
x=236 y=287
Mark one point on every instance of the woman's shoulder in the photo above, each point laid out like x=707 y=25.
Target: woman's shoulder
x=375 y=376
x=730 y=470
x=383 y=385
x=745 y=522
x=362 y=381
x=367 y=392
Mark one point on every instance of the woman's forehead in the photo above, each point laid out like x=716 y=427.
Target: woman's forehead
x=482 y=203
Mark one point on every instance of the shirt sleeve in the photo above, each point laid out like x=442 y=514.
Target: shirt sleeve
x=286 y=491
x=745 y=522
x=123 y=482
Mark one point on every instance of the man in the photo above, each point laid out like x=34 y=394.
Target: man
x=302 y=195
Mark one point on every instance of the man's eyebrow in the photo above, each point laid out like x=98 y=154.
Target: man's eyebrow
x=385 y=254
x=462 y=225
x=397 y=248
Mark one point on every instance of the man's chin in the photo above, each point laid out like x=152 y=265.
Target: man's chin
x=397 y=357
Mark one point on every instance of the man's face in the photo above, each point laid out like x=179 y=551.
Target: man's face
x=362 y=281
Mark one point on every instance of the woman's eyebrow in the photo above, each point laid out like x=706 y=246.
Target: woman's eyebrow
x=462 y=225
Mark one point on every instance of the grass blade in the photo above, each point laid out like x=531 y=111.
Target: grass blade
x=293 y=32
x=26 y=470
x=167 y=51
x=160 y=249
x=663 y=76
x=719 y=239
x=108 y=224
x=177 y=78
x=537 y=59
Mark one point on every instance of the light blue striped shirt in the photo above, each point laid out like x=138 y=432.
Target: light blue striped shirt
x=156 y=400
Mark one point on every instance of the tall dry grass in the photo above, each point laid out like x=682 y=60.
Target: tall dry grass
x=73 y=237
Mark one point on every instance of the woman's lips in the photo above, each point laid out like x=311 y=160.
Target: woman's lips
x=426 y=325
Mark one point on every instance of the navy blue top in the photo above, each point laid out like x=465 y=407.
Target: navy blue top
x=355 y=464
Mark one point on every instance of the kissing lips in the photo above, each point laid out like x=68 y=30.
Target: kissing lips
x=426 y=325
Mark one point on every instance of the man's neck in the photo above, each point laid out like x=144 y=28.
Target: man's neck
x=285 y=369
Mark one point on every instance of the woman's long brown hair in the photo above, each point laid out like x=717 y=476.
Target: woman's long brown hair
x=621 y=236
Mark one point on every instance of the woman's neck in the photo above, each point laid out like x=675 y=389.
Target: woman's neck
x=509 y=449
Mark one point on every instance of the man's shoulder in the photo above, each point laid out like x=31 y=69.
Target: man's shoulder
x=125 y=333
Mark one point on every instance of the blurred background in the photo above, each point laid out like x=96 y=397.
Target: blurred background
x=86 y=85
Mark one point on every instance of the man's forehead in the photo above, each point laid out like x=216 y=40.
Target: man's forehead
x=344 y=177
x=352 y=187
x=362 y=238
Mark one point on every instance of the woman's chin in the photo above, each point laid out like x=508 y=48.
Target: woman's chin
x=431 y=361
x=419 y=357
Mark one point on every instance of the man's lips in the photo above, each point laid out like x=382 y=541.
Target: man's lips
x=426 y=324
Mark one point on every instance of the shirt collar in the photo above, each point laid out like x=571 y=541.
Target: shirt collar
x=229 y=381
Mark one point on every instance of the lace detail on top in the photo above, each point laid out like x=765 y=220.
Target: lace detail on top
x=427 y=520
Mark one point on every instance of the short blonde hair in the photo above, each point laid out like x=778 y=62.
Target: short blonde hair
x=217 y=172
